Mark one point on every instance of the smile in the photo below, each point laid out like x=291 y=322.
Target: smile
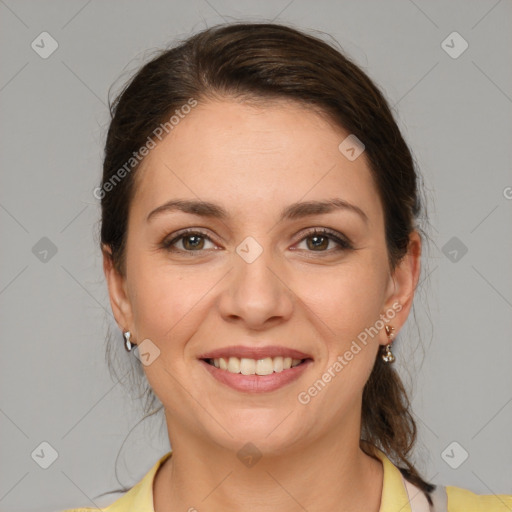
x=261 y=375
x=246 y=366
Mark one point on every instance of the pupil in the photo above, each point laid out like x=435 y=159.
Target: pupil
x=316 y=239
x=193 y=244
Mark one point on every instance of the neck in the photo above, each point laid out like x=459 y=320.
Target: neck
x=331 y=474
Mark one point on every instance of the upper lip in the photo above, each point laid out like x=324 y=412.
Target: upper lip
x=254 y=352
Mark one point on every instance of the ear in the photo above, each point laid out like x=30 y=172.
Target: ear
x=402 y=285
x=117 y=290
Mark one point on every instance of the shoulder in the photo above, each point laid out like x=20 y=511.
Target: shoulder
x=464 y=500
x=78 y=510
x=138 y=499
x=113 y=507
x=83 y=509
x=122 y=503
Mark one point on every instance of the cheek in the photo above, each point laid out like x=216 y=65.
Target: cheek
x=347 y=299
x=166 y=299
x=346 y=309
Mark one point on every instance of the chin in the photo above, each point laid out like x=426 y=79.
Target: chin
x=268 y=436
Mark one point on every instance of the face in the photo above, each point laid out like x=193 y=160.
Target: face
x=258 y=281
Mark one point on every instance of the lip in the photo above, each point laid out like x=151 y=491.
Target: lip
x=257 y=383
x=254 y=352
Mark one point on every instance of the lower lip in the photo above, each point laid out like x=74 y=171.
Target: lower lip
x=257 y=383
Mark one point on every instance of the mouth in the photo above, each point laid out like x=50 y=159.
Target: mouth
x=251 y=369
x=255 y=375
x=260 y=367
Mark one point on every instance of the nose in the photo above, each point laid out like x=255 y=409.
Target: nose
x=256 y=292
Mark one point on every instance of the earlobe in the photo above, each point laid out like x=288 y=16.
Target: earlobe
x=116 y=282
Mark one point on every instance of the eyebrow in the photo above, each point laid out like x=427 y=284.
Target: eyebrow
x=291 y=212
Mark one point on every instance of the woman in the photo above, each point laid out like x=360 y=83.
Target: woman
x=261 y=243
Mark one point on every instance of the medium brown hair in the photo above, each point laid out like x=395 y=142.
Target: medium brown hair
x=263 y=62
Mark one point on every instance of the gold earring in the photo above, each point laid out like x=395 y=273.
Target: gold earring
x=387 y=355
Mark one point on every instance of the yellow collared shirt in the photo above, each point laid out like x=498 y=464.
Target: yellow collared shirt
x=395 y=497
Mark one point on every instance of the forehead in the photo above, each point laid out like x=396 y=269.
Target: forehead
x=253 y=158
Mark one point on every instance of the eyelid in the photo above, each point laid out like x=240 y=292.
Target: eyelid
x=340 y=239
x=168 y=242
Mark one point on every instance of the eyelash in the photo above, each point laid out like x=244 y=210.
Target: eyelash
x=343 y=244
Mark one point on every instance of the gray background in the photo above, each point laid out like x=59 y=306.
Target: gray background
x=454 y=112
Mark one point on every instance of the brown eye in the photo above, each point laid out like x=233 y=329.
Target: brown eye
x=318 y=241
x=191 y=241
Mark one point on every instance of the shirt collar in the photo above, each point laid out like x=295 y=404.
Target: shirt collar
x=394 y=495
x=140 y=496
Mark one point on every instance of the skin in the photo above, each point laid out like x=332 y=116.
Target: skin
x=254 y=161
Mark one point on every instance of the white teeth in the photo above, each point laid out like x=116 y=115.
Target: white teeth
x=234 y=365
x=246 y=366
x=264 y=366
x=278 y=364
